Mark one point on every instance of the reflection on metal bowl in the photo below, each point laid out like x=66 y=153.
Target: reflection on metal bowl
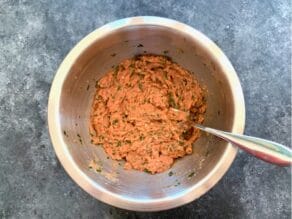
x=71 y=97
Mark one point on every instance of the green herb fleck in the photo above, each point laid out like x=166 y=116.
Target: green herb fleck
x=165 y=52
x=141 y=76
x=187 y=134
x=116 y=71
x=185 y=82
x=128 y=142
x=140 y=86
x=97 y=84
x=87 y=87
x=170 y=173
x=165 y=75
x=98 y=170
x=119 y=143
x=79 y=138
x=140 y=45
x=65 y=133
x=207 y=153
x=141 y=137
x=132 y=73
x=122 y=67
x=115 y=121
x=181 y=143
x=191 y=174
x=147 y=171
x=98 y=97
x=171 y=101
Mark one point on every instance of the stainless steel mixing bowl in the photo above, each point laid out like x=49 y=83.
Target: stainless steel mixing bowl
x=71 y=97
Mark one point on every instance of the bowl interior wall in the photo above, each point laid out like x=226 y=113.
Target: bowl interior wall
x=79 y=88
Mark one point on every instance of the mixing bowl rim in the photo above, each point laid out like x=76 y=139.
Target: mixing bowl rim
x=88 y=184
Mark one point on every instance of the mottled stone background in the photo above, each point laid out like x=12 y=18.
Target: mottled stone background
x=36 y=35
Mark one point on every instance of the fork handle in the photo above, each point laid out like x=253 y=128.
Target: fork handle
x=266 y=150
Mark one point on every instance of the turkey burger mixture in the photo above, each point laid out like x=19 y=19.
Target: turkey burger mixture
x=143 y=112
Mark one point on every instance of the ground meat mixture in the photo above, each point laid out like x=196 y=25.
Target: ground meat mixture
x=143 y=112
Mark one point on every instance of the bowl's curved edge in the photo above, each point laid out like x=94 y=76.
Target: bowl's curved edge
x=124 y=202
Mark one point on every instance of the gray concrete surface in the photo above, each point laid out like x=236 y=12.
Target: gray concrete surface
x=36 y=35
